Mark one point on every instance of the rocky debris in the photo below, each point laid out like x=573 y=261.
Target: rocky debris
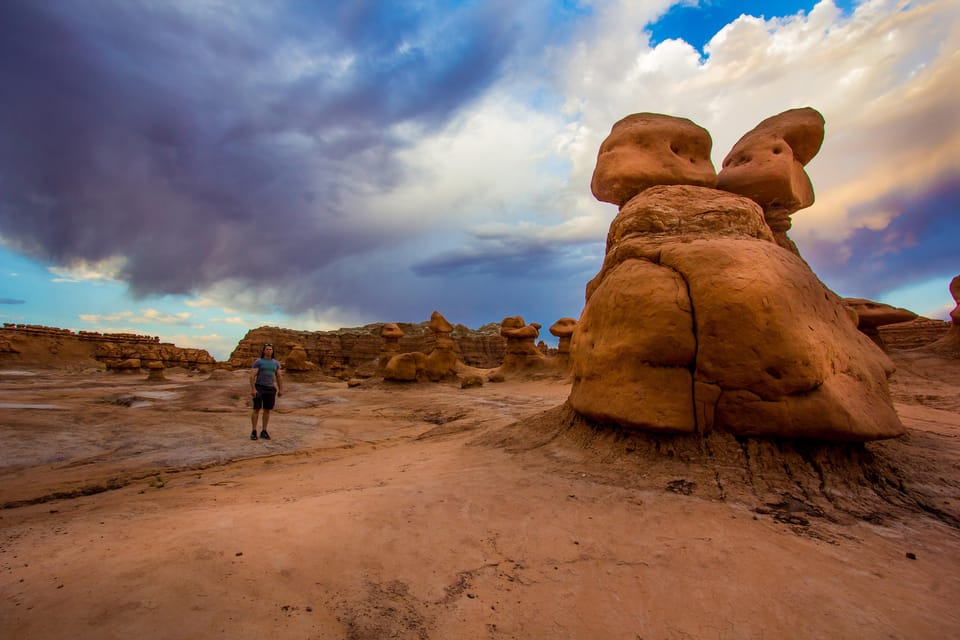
x=471 y=381
x=767 y=166
x=648 y=149
x=697 y=321
x=342 y=352
x=949 y=344
x=873 y=315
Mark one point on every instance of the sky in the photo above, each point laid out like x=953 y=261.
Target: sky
x=194 y=169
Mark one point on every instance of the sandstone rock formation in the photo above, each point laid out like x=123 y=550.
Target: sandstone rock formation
x=521 y=352
x=914 y=334
x=767 y=166
x=949 y=344
x=648 y=149
x=699 y=321
x=873 y=315
x=391 y=334
x=563 y=329
x=155 y=372
x=38 y=345
x=441 y=364
x=294 y=359
x=442 y=361
x=346 y=352
x=406 y=367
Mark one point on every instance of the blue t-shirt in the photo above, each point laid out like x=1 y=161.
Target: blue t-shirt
x=267 y=371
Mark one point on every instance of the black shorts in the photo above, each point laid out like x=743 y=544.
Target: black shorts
x=265 y=399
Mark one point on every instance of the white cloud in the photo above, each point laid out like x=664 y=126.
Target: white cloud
x=884 y=78
x=107 y=270
x=144 y=316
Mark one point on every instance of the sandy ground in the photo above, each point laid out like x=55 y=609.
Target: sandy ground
x=429 y=511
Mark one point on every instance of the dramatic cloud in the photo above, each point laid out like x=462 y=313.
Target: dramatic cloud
x=919 y=242
x=374 y=161
x=221 y=146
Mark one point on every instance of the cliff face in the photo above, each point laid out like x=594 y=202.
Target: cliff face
x=342 y=352
x=915 y=333
x=36 y=345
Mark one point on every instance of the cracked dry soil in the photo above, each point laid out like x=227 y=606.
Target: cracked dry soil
x=429 y=511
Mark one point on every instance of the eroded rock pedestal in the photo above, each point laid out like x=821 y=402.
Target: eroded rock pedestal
x=698 y=320
x=949 y=344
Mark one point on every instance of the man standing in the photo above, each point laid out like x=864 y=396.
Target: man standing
x=265 y=385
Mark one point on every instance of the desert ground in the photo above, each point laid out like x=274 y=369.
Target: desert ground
x=142 y=510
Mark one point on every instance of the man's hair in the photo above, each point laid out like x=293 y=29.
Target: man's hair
x=263 y=351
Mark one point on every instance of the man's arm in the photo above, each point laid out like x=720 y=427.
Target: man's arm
x=253 y=381
x=279 y=382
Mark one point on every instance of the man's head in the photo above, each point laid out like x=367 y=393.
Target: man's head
x=267 y=351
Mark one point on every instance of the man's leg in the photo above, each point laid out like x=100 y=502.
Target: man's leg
x=263 y=427
x=253 y=423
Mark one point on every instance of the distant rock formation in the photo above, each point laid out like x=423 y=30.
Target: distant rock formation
x=949 y=344
x=522 y=351
x=295 y=360
x=873 y=315
x=700 y=320
x=440 y=365
x=344 y=352
x=442 y=362
x=391 y=334
x=767 y=166
x=406 y=367
x=37 y=345
x=563 y=329
x=155 y=372
x=912 y=334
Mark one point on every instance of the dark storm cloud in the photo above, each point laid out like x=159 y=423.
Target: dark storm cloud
x=506 y=260
x=919 y=243
x=207 y=147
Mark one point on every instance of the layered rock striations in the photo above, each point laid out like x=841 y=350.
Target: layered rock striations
x=870 y=316
x=342 y=352
x=700 y=319
x=913 y=334
x=49 y=346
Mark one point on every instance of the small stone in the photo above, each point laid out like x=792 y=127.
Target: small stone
x=911 y=555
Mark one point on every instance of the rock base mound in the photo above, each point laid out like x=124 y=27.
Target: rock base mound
x=796 y=481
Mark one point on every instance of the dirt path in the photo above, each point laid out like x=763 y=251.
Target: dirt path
x=420 y=512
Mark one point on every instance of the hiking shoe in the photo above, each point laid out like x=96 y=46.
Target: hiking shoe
x=253 y=435
x=264 y=435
